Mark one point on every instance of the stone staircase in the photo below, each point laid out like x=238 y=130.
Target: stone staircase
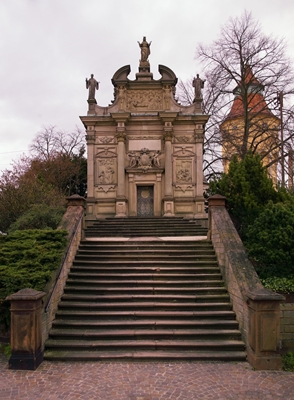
x=146 y=227
x=145 y=299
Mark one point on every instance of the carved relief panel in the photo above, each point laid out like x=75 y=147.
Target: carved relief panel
x=106 y=169
x=184 y=171
x=184 y=174
x=143 y=100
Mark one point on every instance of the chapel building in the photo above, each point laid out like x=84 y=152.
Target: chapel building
x=145 y=150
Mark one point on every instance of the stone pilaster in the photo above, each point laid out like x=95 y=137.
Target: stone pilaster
x=120 y=196
x=90 y=138
x=199 y=199
x=168 y=188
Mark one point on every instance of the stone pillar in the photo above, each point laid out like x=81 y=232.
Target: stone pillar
x=264 y=330
x=168 y=172
x=26 y=329
x=120 y=196
x=157 y=196
x=199 y=199
x=90 y=138
x=132 y=196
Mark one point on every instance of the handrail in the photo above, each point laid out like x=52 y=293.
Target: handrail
x=63 y=261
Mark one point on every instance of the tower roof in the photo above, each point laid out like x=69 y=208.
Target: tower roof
x=255 y=99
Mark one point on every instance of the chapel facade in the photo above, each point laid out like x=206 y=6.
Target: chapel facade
x=145 y=150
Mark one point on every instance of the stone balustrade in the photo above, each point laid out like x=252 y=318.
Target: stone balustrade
x=257 y=309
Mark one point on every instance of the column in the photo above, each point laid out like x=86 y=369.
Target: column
x=120 y=194
x=90 y=138
x=199 y=199
x=168 y=171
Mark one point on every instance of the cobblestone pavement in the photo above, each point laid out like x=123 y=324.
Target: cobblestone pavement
x=144 y=381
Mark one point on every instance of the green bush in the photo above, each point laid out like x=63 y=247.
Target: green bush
x=288 y=362
x=38 y=216
x=27 y=260
x=270 y=241
x=285 y=285
x=247 y=188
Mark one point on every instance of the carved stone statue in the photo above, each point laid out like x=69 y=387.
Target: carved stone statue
x=145 y=50
x=133 y=159
x=198 y=84
x=92 y=85
x=155 y=160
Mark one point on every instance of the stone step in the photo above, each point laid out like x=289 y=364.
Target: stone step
x=134 y=297
x=144 y=306
x=94 y=345
x=146 y=290
x=189 y=278
x=144 y=334
x=149 y=244
x=179 y=355
x=131 y=315
x=142 y=257
x=145 y=251
x=157 y=264
x=145 y=323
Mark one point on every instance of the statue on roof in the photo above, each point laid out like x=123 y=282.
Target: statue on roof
x=145 y=49
x=92 y=85
x=198 y=85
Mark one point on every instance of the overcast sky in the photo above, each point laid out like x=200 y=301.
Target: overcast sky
x=49 y=47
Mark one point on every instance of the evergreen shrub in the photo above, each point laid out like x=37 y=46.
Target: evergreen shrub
x=39 y=216
x=27 y=260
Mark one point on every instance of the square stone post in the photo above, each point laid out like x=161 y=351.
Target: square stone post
x=264 y=330
x=26 y=329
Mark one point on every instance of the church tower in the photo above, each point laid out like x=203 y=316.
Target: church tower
x=145 y=150
x=250 y=125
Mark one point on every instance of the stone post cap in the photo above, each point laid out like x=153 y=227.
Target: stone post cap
x=75 y=200
x=263 y=294
x=26 y=294
x=217 y=200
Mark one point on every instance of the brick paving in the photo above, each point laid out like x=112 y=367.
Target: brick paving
x=144 y=381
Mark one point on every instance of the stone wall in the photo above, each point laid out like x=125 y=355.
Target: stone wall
x=73 y=222
x=287 y=325
x=257 y=309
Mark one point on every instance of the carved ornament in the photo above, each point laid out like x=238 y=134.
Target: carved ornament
x=184 y=188
x=106 y=172
x=106 y=188
x=105 y=139
x=90 y=139
x=107 y=152
x=184 y=139
x=144 y=137
x=144 y=159
x=183 y=171
x=185 y=151
x=144 y=100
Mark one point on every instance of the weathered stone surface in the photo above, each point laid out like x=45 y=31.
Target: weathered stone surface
x=257 y=309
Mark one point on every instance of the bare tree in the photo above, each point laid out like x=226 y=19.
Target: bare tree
x=246 y=67
x=51 y=142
